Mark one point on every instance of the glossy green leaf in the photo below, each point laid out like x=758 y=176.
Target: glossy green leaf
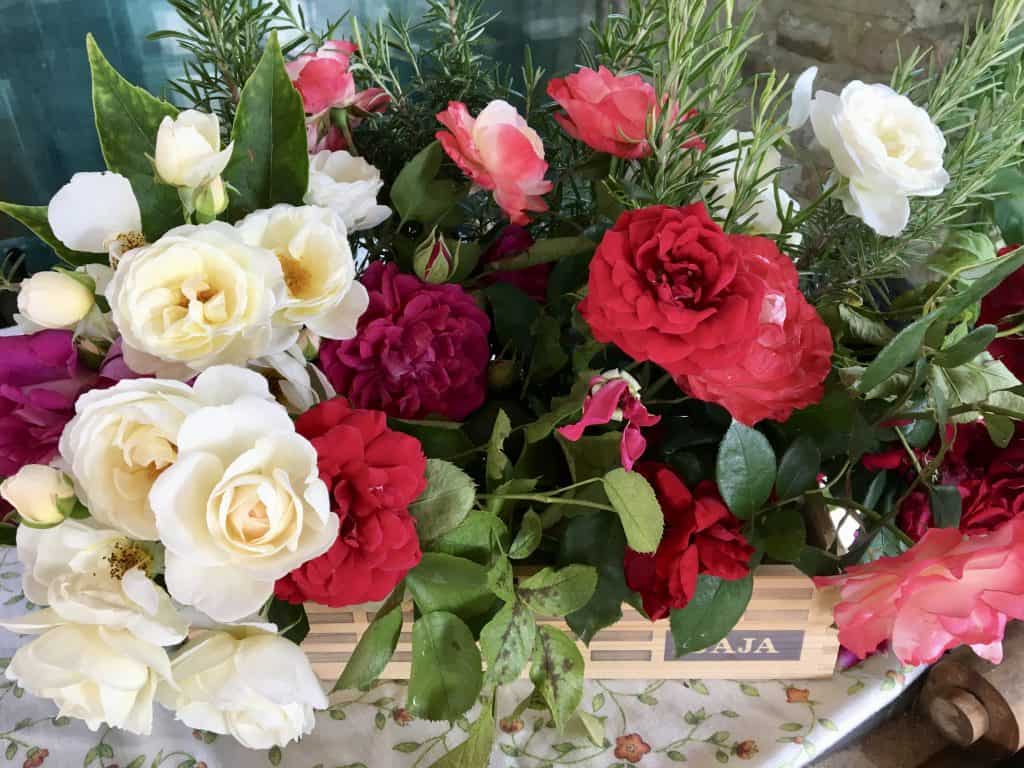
x=291 y=619
x=745 y=469
x=446 y=668
x=450 y=584
x=376 y=646
x=637 y=507
x=418 y=195
x=711 y=614
x=35 y=218
x=798 y=469
x=781 y=533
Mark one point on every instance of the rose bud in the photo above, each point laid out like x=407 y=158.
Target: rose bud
x=188 y=152
x=434 y=261
x=36 y=492
x=54 y=300
x=211 y=201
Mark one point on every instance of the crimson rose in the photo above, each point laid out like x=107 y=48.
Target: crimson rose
x=701 y=536
x=373 y=474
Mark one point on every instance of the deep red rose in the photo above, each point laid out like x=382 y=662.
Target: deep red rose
x=786 y=366
x=998 y=308
x=701 y=536
x=372 y=474
x=420 y=350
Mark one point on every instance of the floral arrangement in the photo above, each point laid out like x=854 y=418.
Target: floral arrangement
x=366 y=319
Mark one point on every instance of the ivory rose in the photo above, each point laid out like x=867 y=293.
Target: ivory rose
x=54 y=300
x=188 y=152
x=349 y=186
x=947 y=590
x=605 y=111
x=499 y=152
x=94 y=673
x=247 y=682
x=242 y=505
x=198 y=297
x=319 y=272
x=35 y=491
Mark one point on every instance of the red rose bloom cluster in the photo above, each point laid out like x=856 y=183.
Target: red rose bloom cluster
x=722 y=313
x=373 y=474
x=420 y=350
x=701 y=536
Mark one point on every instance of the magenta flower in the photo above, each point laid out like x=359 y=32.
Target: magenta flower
x=420 y=349
x=615 y=396
x=512 y=241
x=40 y=379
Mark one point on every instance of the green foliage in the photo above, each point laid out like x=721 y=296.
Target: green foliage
x=291 y=619
x=445 y=503
x=551 y=592
x=475 y=751
x=711 y=614
x=557 y=673
x=637 y=506
x=507 y=642
x=34 y=217
x=376 y=646
x=745 y=470
x=447 y=583
x=446 y=667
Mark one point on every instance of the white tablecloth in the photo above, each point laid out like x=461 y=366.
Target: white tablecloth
x=777 y=724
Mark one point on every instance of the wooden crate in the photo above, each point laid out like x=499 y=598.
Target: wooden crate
x=785 y=632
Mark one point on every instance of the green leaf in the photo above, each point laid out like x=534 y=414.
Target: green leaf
x=716 y=606
x=127 y=121
x=978 y=289
x=444 y=504
x=528 y=538
x=968 y=348
x=475 y=539
x=507 y=642
x=597 y=539
x=781 y=533
x=498 y=465
x=35 y=218
x=864 y=328
x=549 y=357
x=745 y=470
x=475 y=751
x=798 y=469
x=291 y=619
x=637 y=506
x=514 y=314
x=1008 y=208
x=557 y=672
x=591 y=455
x=556 y=593
x=449 y=584
x=500 y=579
x=376 y=646
x=897 y=354
x=1000 y=429
x=270 y=163
x=418 y=195
x=946 y=506
x=446 y=667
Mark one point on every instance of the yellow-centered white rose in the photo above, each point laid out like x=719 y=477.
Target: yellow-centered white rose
x=198 y=297
x=319 y=273
x=242 y=505
x=230 y=681
x=36 y=491
x=349 y=186
x=188 y=152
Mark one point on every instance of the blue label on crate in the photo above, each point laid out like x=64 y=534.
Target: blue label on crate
x=746 y=645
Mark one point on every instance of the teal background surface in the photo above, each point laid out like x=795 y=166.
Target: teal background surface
x=46 y=122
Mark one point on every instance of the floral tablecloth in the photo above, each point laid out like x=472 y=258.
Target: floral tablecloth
x=777 y=724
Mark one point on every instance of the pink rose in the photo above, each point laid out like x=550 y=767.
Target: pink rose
x=605 y=111
x=499 y=152
x=946 y=591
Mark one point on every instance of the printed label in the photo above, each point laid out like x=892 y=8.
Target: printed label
x=746 y=645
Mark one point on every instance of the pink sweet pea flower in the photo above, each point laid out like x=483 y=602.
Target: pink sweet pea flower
x=615 y=396
x=947 y=590
x=499 y=152
x=605 y=111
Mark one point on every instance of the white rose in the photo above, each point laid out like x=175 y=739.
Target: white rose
x=320 y=275
x=347 y=185
x=86 y=574
x=94 y=673
x=122 y=438
x=242 y=506
x=188 y=152
x=299 y=384
x=251 y=684
x=888 y=148
x=197 y=297
x=35 y=491
x=54 y=300
x=92 y=210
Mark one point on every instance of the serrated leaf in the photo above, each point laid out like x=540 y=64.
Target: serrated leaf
x=127 y=121
x=637 y=507
x=450 y=584
x=476 y=538
x=528 y=538
x=557 y=673
x=716 y=606
x=745 y=469
x=501 y=581
x=376 y=646
x=498 y=465
x=446 y=667
x=556 y=593
x=445 y=502
x=507 y=642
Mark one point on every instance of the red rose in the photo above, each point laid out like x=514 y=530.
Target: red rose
x=701 y=536
x=1005 y=300
x=605 y=111
x=790 y=358
x=373 y=474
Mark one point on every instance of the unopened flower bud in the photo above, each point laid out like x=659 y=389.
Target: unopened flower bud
x=434 y=261
x=211 y=201
x=36 y=492
x=55 y=300
x=188 y=152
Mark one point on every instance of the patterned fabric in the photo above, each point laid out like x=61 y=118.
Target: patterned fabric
x=652 y=724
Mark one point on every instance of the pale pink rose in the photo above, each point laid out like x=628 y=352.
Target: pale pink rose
x=499 y=152
x=946 y=591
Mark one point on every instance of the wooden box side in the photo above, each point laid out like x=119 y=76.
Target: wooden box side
x=786 y=632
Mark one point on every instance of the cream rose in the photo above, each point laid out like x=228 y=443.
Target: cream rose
x=242 y=506
x=86 y=574
x=36 y=492
x=349 y=186
x=94 y=673
x=197 y=297
x=886 y=147
x=319 y=273
x=54 y=300
x=188 y=152
x=246 y=682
